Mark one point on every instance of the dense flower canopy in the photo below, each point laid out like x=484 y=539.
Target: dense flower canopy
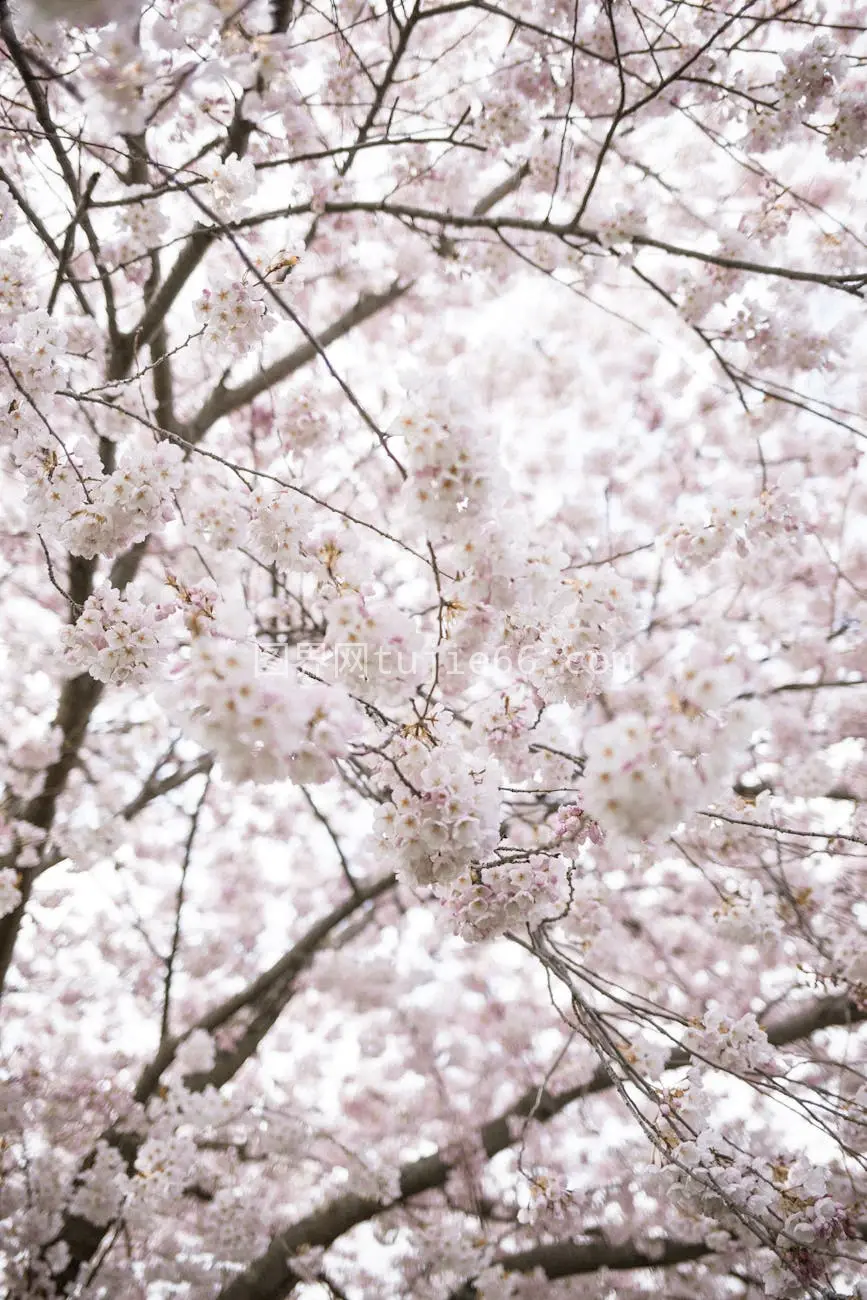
x=434 y=692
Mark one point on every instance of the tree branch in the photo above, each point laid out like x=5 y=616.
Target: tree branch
x=161 y=303
x=853 y=282
x=43 y=116
x=283 y=971
x=223 y=401
x=270 y=1276
x=572 y=1258
x=269 y=992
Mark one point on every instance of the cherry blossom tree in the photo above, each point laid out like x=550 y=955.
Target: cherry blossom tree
x=433 y=723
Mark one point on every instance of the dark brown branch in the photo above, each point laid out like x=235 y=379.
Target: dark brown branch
x=179 y=908
x=69 y=241
x=559 y=1259
x=223 y=401
x=161 y=303
x=39 y=227
x=281 y=973
x=43 y=115
x=281 y=15
x=78 y=699
x=269 y=994
x=852 y=282
x=405 y=30
x=270 y=1277
x=153 y=789
x=616 y=119
x=574 y=1258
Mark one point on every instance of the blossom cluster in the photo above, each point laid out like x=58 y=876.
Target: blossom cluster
x=10 y=894
x=235 y=314
x=33 y=347
x=141 y=226
x=847 y=136
x=280 y=528
x=737 y=524
x=575 y=652
x=26 y=760
x=506 y=572
x=809 y=74
x=572 y=826
x=262 y=728
x=749 y=916
x=546 y=1197
x=124 y=79
x=214 y=515
x=387 y=666
x=784 y=1201
x=775 y=343
x=285 y=528
x=617 y=228
x=231 y=183
x=24 y=840
x=493 y=899
x=645 y=775
x=740 y=1045
x=8 y=212
x=116 y=638
x=501 y=724
x=128 y=504
x=93 y=513
x=443 y=814
x=453 y=482
x=102 y=1188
